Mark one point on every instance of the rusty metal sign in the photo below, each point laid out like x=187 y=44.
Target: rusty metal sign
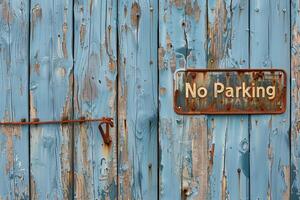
x=243 y=91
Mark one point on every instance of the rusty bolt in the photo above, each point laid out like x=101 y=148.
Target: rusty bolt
x=35 y=119
x=82 y=118
x=109 y=27
x=193 y=75
x=211 y=60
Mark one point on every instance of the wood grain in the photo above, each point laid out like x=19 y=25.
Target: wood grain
x=51 y=82
x=137 y=99
x=183 y=168
x=14 y=140
x=95 y=70
x=228 y=36
x=269 y=134
x=295 y=100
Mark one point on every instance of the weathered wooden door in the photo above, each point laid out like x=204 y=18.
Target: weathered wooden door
x=68 y=59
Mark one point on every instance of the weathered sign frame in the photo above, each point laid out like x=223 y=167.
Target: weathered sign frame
x=282 y=109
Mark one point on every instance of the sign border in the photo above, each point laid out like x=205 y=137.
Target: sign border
x=283 y=109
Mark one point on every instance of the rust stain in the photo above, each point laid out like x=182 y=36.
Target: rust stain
x=106 y=149
x=6 y=13
x=135 y=14
x=211 y=155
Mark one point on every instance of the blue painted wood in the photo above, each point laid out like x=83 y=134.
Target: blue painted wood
x=198 y=157
x=95 y=70
x=228 y=38
x=14 y=141
x=51 y=80
x=269 y=134
x=137 y=99
x=183 y=167
x=295 y=103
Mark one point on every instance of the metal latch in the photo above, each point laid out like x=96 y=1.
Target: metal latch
x=36 y=121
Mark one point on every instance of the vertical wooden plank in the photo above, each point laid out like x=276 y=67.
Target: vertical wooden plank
x=182 y=140
x=51 y=81
x=138 y=104
x=228 y=38
x=94 y=97
x=14 y=141
x=269 y=134
x=295 y=102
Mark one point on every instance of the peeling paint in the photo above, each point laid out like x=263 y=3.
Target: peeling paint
x=135 y=14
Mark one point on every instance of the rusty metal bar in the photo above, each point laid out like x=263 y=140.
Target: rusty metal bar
x=36 y=121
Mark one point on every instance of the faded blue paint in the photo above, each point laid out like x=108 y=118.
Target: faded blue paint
x=295 y=102
x=14 y=157
x=51 y=72
x=137 y=139
x=95 y=96
x=269 y=134
x=183 y=140
x=95 y=86
x=199 y=157
x=229 y=141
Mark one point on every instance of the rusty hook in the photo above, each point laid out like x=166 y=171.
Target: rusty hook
x=106 y=137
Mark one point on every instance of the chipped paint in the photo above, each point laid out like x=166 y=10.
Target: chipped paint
x=137 y=110
x=95 y=97
x=135 y=14
x=269 y=135
x=14 y=159
x=203 y=157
